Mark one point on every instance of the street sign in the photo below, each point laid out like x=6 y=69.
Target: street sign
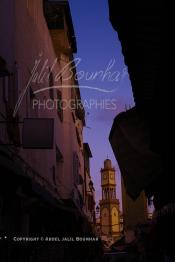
x=38 y=133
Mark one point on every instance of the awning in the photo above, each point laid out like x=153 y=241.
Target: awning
x=130 y=141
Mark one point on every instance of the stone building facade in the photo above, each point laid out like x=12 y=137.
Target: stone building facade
x=41 y=189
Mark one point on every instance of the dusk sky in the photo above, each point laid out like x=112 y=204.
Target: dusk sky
x=99 y=49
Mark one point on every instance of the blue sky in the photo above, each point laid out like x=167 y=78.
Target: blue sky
x=98 y=46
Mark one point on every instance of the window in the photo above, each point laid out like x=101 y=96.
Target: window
x=73 y=117
x=54 y=15
x=78 y=137
x=32 y=7
x=76 y=164
x=10 y=90
x=59 y=156
x=4 y=74
x=90 y=203
x=3 y=70
x=11 y=86
x=33 y=109
x=10 y=96
x=53 y=175
x=32 y=95
x=59 y=105
x=5 y=88
x=51 y=84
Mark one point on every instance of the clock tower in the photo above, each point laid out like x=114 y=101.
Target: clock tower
x=109 y=205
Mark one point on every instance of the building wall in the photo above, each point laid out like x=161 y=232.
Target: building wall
x=134 y=212
x=38 y=206
x=115 y=220
x=26 y=40
x=89 y=190
x=105 y=221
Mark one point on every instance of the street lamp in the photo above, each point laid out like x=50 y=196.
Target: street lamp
x=91 y=186
x=150 y=201
x=97 y=209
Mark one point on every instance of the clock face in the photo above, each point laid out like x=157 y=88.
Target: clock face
x=104 y=176
x=112 y=176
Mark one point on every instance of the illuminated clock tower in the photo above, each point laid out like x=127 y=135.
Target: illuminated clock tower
x=109 y=205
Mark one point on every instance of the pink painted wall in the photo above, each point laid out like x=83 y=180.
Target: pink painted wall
x=25 y=36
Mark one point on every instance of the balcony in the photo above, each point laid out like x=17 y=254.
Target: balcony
x=59 y=22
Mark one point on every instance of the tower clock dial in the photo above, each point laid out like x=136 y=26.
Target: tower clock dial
x=112 y=176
